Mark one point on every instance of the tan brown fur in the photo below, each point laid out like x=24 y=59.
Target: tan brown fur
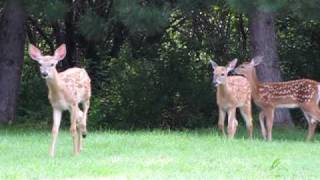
x=74 y=86
x=296 y=91
x=232 y=92
x=302 y=93
x=67 y=90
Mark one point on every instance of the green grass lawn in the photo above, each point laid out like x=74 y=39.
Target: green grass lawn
x=159 y=154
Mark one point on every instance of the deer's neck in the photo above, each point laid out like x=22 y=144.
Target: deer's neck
x=54 y=85
x=254 y=83
x=222 y=90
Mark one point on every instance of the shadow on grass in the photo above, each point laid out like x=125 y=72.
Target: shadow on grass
x=279 y=134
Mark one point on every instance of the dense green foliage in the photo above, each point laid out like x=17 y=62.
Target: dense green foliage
x=148 y=59
x=158 y=155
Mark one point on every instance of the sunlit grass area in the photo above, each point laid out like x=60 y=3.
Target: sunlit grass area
x=202 y=154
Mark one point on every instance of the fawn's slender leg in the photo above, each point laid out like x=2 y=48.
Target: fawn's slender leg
x=313 y=116
x=269 y=116
x=247 y=115
x=232 y=122
x=55 y=130
x=222 y=116
x=262 y=126
x=86 y=106
x=73 y=128
x=79 y=129
x=79 y=139
x=311 y=126
x=311 y=129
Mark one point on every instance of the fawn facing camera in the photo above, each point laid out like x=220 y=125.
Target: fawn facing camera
x=67 y=90
x=232 y=92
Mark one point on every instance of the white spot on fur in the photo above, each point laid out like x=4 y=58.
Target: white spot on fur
x=287 y=106
x=318 y=99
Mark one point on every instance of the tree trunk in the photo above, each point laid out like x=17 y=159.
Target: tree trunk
x=65 y=33
x=12 y=40
x=118 y=39
x=263 y=42
x=70 y=40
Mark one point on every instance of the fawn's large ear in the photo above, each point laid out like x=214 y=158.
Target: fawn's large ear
x=232 y=64
x=213 y=64
x=60 y=52
x=34 y=52
x=256 y=60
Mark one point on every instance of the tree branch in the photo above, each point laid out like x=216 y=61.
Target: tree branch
x=41 y=33
x=30 y=35
x=242 y=32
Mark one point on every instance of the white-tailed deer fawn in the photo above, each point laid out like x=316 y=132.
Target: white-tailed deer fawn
x=302 y=93
x=67 y=90
x=232 y=92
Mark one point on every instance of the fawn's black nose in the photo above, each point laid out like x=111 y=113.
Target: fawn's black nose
x=215 y=83
x=84 y=135
x=44 y=74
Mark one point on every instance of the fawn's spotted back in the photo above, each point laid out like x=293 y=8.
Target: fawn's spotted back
x=301 y=91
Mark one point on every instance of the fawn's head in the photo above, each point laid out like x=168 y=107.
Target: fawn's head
x=247 y=68
x=47 y=63
x=220 y=73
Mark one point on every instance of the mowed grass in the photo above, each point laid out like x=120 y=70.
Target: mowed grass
x=202 y=154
